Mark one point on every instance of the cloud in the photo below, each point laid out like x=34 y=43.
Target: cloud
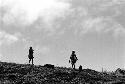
x=119 y=30
x=26 y=12
x=100 y=17
x=102 y=25
x=6 y=38
x=41 y=14
x=93 y=24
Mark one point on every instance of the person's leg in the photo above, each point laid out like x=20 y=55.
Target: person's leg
x=29 y=60
x=32 y=61
x=72 y=63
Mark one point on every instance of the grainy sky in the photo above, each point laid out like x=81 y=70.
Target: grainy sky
x=95 y=29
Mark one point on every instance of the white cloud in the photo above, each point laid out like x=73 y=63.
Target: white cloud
x=119 y=30
x=28 y=11
x=6 y=38
x=93 y=24
x=102 y=25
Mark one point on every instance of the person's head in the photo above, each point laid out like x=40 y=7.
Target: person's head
x=30 y=47
x=73 y=52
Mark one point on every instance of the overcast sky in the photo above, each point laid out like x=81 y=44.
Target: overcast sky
x=95 y=29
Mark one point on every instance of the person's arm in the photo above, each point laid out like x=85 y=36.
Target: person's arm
x=33 y=50
x=76 y=57
x=71 y=56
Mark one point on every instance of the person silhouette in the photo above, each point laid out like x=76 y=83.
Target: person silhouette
x=80 y=68
x=73 y=59
x=31 y=55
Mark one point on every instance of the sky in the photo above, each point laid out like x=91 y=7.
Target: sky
x=95 y=29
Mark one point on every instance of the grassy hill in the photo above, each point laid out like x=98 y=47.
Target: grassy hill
x=12 y=73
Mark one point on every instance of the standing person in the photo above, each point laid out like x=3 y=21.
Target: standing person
x=80 y=68
x=31 y=55
x=73 y=59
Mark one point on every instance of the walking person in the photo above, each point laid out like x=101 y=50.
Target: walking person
x=73 y=59
x=30 y=56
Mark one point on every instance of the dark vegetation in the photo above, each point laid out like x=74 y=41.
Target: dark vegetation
x=11 y=73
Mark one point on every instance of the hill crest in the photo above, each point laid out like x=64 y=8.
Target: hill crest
x=13 y=73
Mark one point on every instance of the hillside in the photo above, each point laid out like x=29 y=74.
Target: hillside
x=12 y=73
